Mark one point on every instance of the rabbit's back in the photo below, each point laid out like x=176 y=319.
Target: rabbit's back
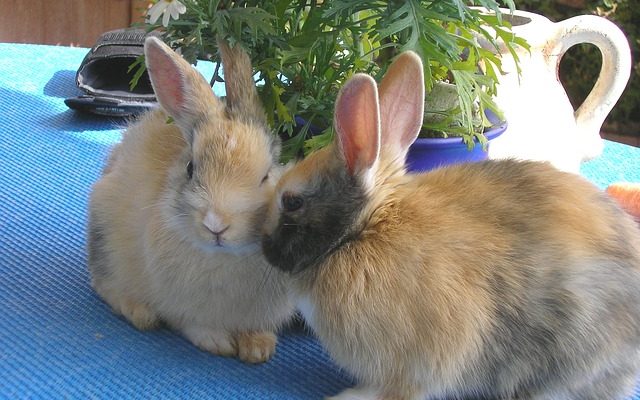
x=149 y=147
x=530 y=207
x=555 y=265
x=136 y=172
x=122 y=200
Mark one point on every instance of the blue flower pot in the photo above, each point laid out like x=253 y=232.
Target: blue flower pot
x=429 y=153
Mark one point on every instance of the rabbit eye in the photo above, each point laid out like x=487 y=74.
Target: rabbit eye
x=265 y=178
x=190 y=170
x=291 y=202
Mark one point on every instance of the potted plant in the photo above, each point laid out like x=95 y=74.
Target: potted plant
x=304 y=50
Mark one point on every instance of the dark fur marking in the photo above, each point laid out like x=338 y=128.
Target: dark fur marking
x=305 y=238
x=538 y=323
x=525 y=332
x=98 y=255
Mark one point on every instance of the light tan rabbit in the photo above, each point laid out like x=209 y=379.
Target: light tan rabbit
x=174 y=224
x=497 y=280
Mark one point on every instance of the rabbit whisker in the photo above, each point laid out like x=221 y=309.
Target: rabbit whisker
x=156 y=204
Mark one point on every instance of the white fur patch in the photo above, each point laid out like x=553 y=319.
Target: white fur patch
x=369 y=178
x=232 y=142
x=214 y=341
x=307 y=309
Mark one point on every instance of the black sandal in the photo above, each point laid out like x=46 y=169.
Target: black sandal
x=104 y=77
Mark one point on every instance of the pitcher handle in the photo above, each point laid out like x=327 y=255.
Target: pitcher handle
x=613 y=77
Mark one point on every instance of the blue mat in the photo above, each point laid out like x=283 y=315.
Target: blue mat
x=57 y=339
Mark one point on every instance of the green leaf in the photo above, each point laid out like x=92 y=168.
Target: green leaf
x=305 y=50
x=142 y=67
x=318 y=141
x=256 y=19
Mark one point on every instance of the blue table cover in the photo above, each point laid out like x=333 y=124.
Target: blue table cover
x=57 y=338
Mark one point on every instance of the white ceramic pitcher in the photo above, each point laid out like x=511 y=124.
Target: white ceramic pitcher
x=542 y=123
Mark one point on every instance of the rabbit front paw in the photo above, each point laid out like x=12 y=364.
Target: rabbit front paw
x=214 y=341
x=140 y=315
x=256 y=347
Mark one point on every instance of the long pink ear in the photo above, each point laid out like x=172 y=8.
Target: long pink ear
x=402 y=103
x=181 y=90
x=357 y=123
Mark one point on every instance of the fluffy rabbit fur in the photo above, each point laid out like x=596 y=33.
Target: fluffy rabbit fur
x=501 y=279
x=174 y=224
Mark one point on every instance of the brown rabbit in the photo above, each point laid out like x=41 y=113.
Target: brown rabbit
x=501 y=279
x=174 y=224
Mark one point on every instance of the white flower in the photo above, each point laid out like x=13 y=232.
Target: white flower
x=170 y=9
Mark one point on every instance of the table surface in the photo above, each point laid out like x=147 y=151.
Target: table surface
x=57 y=338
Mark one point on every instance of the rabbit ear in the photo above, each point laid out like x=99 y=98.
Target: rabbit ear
x=402 y=103
x=242 y=96
x=357 y=123
x=181 y=90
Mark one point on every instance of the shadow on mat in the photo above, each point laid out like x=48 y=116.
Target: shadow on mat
x=24 y=111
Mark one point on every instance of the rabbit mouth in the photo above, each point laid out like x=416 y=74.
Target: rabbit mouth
x=217 y=245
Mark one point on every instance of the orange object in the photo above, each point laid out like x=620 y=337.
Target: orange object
x=628 y=195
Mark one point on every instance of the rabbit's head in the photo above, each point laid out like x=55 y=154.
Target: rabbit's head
x=217 y=189
x=324 y=201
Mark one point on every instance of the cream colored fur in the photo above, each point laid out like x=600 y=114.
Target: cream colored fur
x=151 y=256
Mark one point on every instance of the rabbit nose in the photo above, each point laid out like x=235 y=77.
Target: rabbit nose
x=215 y=224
